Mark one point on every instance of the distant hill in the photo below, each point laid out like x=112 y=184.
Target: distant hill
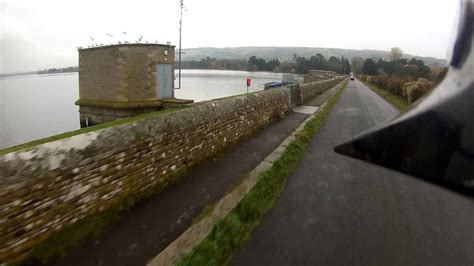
x=286 y=53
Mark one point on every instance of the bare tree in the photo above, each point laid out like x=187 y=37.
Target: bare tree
x=395 y=54
x=357 y=64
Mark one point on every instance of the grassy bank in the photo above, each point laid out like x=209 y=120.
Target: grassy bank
x=399 y=103
x=231 y=233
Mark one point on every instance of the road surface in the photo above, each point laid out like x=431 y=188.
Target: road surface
x=336 y=210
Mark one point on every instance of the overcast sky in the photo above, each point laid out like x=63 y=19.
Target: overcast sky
x=38 y=34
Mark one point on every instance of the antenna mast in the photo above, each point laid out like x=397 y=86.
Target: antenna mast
x=179 y=52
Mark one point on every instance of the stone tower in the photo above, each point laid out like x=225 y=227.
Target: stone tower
x=123 y=80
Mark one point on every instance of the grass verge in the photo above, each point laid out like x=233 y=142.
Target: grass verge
x=396 y=101
x=229 y=234
x=88 y=129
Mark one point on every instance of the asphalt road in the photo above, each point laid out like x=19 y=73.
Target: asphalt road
x=340 y=211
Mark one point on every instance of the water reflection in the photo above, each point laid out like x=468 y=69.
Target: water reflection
x=37 y=106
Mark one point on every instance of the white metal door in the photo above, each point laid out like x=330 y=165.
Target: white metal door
x=164 y=78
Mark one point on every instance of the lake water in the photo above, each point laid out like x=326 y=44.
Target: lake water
x=38 y=106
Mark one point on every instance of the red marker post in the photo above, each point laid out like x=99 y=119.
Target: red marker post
x=248 y=84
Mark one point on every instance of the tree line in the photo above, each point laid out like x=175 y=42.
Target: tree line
x=397 y=66
x=408 y=79
x=299 y=64
x=412 y=68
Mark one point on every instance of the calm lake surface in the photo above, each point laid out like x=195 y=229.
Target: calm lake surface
x=38 y=106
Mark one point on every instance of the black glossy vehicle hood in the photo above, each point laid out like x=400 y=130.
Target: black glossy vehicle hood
x=434 y=139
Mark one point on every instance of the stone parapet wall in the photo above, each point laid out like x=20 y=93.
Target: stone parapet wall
x=318 y=75
x=312 y=89
x=309 y=78
x=51 y=186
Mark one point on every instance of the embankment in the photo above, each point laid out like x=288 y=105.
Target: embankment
x=48 y=187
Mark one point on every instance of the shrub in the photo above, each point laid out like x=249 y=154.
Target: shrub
x=414 y=90
x=395 y=86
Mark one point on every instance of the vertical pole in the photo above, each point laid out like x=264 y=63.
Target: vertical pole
x=179 y=52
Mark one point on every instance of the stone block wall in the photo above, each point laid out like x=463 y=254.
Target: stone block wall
x=92 y=115
x=120 y=80
x=48 y=187
x=310 y=90
x=98 y=74
x=318 y=75
x=121 y=73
